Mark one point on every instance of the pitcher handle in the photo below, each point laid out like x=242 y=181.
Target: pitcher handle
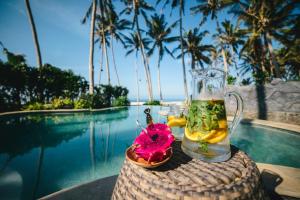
x=239 y=110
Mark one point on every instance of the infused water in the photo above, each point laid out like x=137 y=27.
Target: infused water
x=206 y=131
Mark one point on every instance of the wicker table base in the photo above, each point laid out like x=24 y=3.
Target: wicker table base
x=186 y=178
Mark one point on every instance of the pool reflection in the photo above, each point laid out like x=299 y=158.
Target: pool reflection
x=49 y=151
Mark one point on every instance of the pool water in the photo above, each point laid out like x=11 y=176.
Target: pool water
x=44 y=153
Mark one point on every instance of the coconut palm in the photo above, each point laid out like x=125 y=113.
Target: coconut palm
x=133 y=44
x=115 y=27
x=102 y=31
x=192 y=45
x=34 y=34
x=288 y=56
x=91 y=10
x=103 y=39
x=211 y=8
x=265 y=19
x=181 y=5
x=160 y=32
x=137 y=7
x=231 y=38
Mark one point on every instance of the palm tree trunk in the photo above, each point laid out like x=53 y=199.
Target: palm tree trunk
x=158 y=76
x=148 y=77
x=39 y=170
x=113 y=57
x=34 y=34
x=182 y=57
x=92 y=146
x=107 y=144
x=106 y=58
x=274 y=64
x=101 y=66
x=236 y=66
x=149 y=73
x=91 y=56
x=225 y=61
x=137 y=80
x=222 y=50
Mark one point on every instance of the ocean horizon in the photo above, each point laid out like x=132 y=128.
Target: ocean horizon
x=164 y=99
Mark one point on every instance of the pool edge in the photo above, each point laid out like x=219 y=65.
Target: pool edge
x=272 y=124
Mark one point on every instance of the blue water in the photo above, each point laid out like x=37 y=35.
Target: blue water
x=43 y=153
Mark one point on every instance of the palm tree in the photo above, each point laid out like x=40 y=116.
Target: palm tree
x=34 y=34
x=91 y=10
x=103 y=38
x=192 y=45
x=138 y=7
x=211 y=8
x=232 y=38
x=159 y=31
x=264 y=20
x=288 y=56
x=102 y=31
x=115 y=26
x=133 y=45
x=181 y=5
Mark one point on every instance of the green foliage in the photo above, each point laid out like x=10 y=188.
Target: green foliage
x=81 y=104
x=231 y=80
x=246 y=81
x=34 y=106
x=121 y=101
x=203 y=146
x=62 y=103
x=152 y=103
x=261 y=77
x=204 y=115
x=49 y=87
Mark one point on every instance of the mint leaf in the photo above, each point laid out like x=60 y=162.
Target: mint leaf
x=203 y=146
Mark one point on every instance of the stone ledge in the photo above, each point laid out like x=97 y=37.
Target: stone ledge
x=58 y=111
x=273 y=124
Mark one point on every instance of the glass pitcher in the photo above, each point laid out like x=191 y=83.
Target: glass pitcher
x=207 y=132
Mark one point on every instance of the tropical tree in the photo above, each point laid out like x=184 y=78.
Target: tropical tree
x=232 y=38
x=137 y=7
x=264 y=20
x=229 y=39
x=192 y=45
x=133 y=45
x=181 y=5
x=160 y=32
x=115 y=27
x=91 y=10
x=288 y=56
x=211 y=8
x=34 y=34
x=103 y=38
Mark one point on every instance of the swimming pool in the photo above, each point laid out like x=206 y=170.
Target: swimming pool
x=43 y=153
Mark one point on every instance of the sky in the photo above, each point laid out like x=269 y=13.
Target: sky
x=64 y=43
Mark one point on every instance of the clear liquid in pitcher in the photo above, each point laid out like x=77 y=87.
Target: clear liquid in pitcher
x=206 y=133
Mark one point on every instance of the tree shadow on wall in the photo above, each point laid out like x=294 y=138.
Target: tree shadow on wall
x=261 y=102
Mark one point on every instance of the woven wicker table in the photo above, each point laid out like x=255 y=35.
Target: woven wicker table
x=185 y=178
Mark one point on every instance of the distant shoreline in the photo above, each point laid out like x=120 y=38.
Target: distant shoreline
x=164 y=103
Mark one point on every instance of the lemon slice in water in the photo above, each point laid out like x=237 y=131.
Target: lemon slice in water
x=177 y=122
x=193 y=136
x=219 y=136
